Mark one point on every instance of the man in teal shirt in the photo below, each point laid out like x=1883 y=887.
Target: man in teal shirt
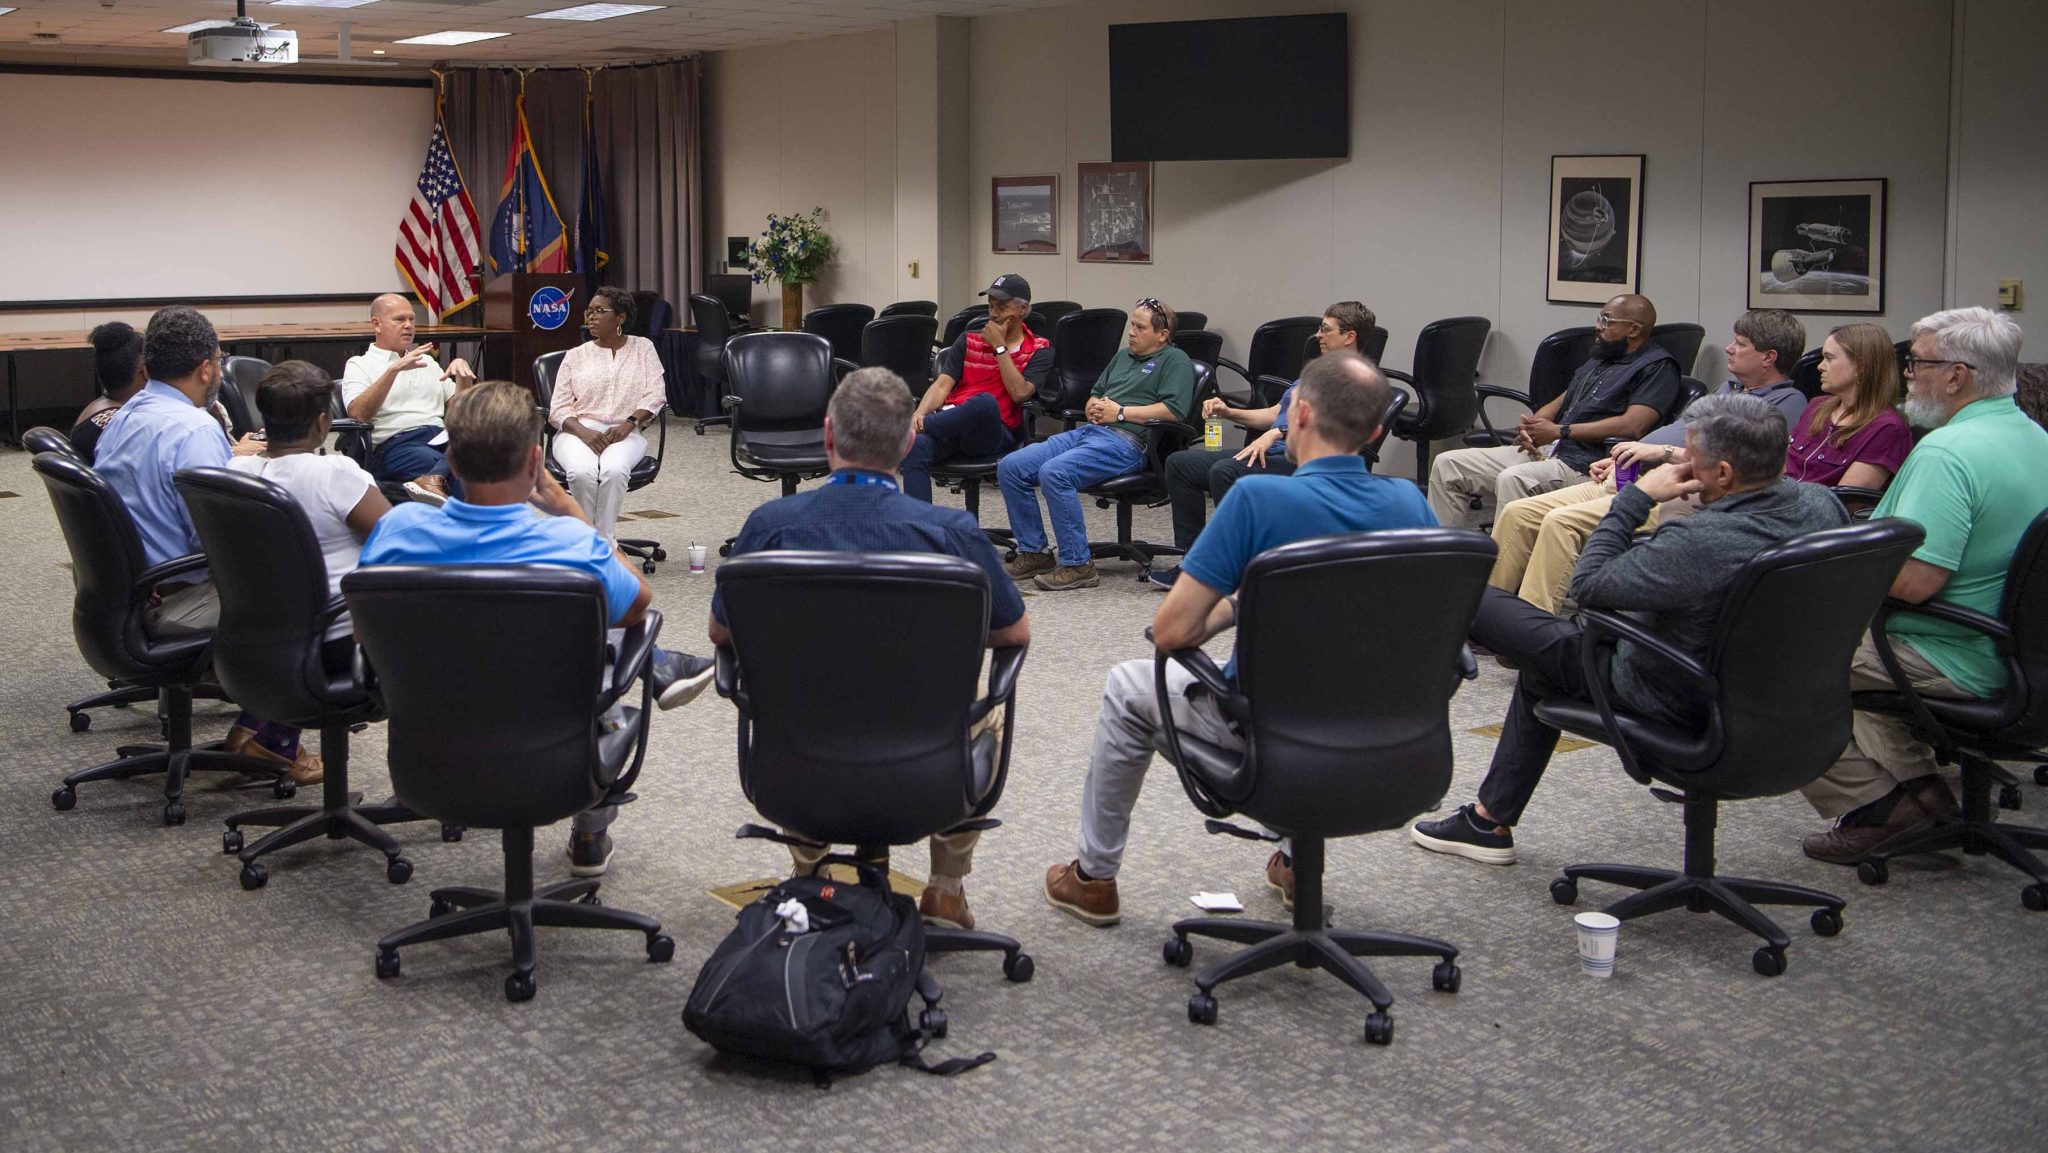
x=1148 y=379
x=1974 y=483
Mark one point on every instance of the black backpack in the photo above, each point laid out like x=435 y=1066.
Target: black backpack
x=834 y=998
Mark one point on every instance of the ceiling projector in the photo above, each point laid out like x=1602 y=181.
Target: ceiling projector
x=243 y=42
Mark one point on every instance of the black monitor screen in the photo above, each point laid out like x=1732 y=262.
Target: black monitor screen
x=1271 y=87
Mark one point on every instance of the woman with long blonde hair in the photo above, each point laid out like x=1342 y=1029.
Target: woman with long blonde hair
x=1852 y=434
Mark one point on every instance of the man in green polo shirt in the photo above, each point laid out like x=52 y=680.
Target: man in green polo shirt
x=1148 y=379
x=1974 y=483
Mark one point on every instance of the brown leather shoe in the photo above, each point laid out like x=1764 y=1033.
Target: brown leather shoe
x=944 y=908
x=1847 y=844
x=1069 y=576
x=1030 y=564
x=1092 y=901
x=1280 y=877
x=305 y=769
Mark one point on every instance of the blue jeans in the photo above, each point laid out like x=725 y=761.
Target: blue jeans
x=1062 y=465
x=407 y=456
x=972 y=428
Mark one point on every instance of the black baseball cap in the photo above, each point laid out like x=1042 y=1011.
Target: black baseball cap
x=1008 y=286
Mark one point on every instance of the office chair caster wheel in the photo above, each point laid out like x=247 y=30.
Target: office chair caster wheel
x=660 y=554
x=80 y=722
x=2041 y=774
x=174 y=813
x=2035 y=897
x=1009 y=554
x=661 y=948
x=451 y=833
x=1446 y=977
x=647 y=567
x=284 y=788
x=1202 y=1009
x=254 y=876
x=725 y=550
x=398 y=870
x=1178 y=952
x=519 y=987
x=933 y=1021
x=1018 y=967
x=1873 y=871
x=2009 y=797
x=1767 y=961
x=63 y=799
x=231 y=842
x=1565 y=891
x=439 y=908
x=387 y=965
x=1379 y=1029
x=1826 y=922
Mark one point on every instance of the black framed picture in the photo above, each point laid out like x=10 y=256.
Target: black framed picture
x=1116 y=212
x=1024 y=214
x=1817 y=245
x=1596 y=228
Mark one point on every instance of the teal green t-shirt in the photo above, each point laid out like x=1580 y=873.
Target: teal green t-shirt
x=1974 y=484
x=1167 y=375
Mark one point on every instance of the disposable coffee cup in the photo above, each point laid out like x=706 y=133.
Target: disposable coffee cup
x=1598 y=935
x=696 y=558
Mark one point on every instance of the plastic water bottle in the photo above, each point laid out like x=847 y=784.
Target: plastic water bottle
x=1212 y=434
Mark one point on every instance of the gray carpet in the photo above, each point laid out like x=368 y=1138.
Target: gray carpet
x=149 y=1003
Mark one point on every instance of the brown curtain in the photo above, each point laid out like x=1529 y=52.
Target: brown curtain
x=647 y=122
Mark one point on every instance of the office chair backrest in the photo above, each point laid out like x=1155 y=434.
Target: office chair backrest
x=239 y=376
x=1690 y=388
x=958 y=322
x=911 y=308
x=1279 y=347
x=841 y=324
x=846 y=732
x=2026 y=614
x=1682 y=341
x=1806 y=373
x=783 y=379
x=1374 y=344
x=903 y=345
x=1558 y=357
x=1788 y=627
x=1350 y=711
x=1190 y=321
x=272 y=578
x=1202 y=346
x=709 y=317
x=106 y=557
x=42 y=438
x=1446 y=375
x=650 y=315
x=1083 y=342
x=1052 y=310
x=490 y=677
x=546 y=367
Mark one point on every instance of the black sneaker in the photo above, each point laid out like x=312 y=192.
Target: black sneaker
x=677 y=678
x=1163 y=578
x=1464 y=834
x=589 y=856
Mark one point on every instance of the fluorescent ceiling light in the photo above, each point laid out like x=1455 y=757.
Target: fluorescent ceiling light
x=595 y=11
x=5 y=11
x=319 y=3
x=451 y=38
x=198 y=25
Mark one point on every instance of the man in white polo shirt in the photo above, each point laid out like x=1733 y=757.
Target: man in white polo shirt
x=401 y=393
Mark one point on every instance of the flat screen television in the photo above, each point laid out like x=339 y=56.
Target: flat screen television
x=1265 y=88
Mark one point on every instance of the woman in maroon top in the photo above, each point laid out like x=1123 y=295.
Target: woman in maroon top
x=1852 y=434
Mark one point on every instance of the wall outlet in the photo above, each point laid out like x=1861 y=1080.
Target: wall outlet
x=2010 y=294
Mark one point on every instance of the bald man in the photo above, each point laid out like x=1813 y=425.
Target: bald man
x=1629 y=387
x=401 y=392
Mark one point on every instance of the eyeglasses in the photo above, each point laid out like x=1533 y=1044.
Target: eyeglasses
x=1606 y=320
x=599 y=310
x=1328 y=328
x=1912 y=364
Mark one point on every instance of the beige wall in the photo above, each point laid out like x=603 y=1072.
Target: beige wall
x=2000 y=225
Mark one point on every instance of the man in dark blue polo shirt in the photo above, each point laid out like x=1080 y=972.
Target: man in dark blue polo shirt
x=861 y=509
x=1336 y=410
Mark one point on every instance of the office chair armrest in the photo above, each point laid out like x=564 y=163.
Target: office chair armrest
x=1468 y=664
x=1990 y=626
x=1860 y=501
x=1003 y=666
x=1496 y=392
x=1209 y=676
x=349 y=426
x=1171 y=435
x=335 y=608
x=841 y=366
x=729 y=403
x=1268 y=389
x=1397 y=374
x=631 y=660
x=726 y=678
x=147 y=580
x=1603 y=627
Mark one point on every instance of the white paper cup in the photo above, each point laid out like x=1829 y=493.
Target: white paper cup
x=1598 y=935
x=697 y=552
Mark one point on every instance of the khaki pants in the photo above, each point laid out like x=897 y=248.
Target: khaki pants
x=188 y=609
x=1502 y=474
x=1882 y=753
x=1540 y=538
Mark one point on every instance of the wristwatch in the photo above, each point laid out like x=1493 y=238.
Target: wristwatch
x=1119 y=414
x=1002 y=350
x=1564 y=431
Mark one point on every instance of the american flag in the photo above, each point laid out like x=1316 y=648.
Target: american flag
x=437 y=240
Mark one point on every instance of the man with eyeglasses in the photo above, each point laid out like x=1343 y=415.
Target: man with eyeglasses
x=1147 y=379
x=1628 y=387
x=401 y=393
x=1975 y=483
x=1194 y=476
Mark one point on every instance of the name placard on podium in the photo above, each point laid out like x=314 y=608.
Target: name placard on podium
x=527 y=314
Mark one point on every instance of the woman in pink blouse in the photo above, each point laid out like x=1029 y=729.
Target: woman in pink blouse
x=607 y=391
x=1852 y=434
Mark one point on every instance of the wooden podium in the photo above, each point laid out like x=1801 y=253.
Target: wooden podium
x=518 y=311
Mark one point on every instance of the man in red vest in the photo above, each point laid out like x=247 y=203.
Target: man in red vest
x=971 y=409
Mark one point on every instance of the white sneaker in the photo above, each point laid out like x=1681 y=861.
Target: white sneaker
x=425 y=495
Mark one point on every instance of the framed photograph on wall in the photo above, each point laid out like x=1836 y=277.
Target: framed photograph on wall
x=1024 y=214
x=1116 y=213
x=1596 y=228
x=1817 y=245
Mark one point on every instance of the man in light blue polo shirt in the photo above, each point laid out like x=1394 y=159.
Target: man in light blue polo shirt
x=1336 y=410
x=514 y=512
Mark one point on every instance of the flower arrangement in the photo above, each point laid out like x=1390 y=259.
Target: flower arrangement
x=794 y=249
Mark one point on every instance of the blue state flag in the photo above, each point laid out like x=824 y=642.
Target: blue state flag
x=591 y=238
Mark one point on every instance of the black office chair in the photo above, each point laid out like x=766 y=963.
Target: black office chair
x=112 y=590
x=1974 y=733
x=517 y=740
x=1083 y=344
x=1277 y=352
x=1200 y=345
x=647 y=551
x=1558 y=357
x=911 y=308
x=1443 y=385
x=1682 y=341
x=1146 y=484
x=1346 y=723
x=833 y=757
x=1190 y=321
x=272 y=647
x=714 y=327
x=1776 y=686
x=651 y=315
x=903 y=345
x=841 y=324
x=1052 y=310
x=1373 y=344
x=778 y=385
x=1806 y=373
x=958 y=322
x=239 y=376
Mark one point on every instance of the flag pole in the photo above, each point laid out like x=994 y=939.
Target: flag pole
x=440 y=95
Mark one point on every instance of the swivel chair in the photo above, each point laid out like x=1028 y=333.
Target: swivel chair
x=272 y=647
x=1083 y=344
x=1146 y=484
x=1346 y=723
x=113 y=591
x=519 y=740
x=1558 y=356
x=239 y=376
x=779 y=384
x=958 y=322
x=903 y=345
x=1775 y=683
x=830 y=757
x=651 y=315
x=1052 y=310
x=1277 y=351
x=1443 y=385
x=647 y=551
x=714 y=327
x=910 y=308
x=1201 y=345
x=841 y=324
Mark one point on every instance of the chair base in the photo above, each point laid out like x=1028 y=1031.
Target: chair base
x=704 y=422
x=647 y=552
x=1017 y=964
x=121 y=696
x=1125 y=546
x=175 y=760
x=1975 y=832
x=341 y=814
x=464 y=911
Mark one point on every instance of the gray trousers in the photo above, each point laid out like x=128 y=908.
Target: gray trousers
x=1126 y=735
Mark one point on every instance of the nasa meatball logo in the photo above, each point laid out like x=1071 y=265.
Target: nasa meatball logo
x=549 y=308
